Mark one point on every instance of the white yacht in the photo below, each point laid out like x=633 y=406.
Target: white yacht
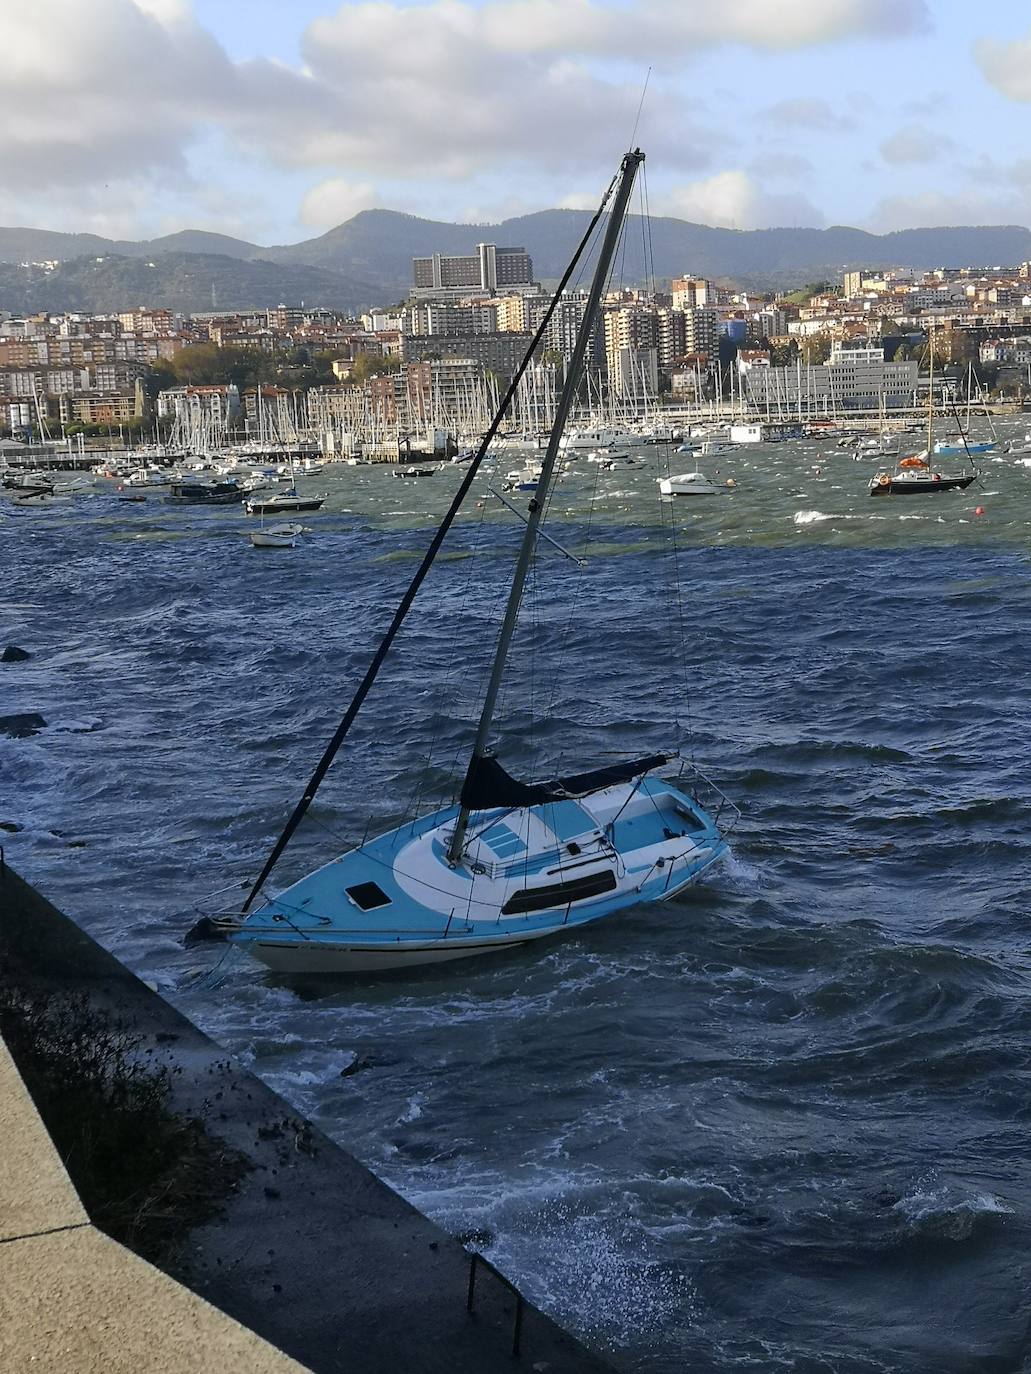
x=604 y=437
x=688 y=484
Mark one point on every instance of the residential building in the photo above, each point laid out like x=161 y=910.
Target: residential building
x=205 y=404
x=497 y=353
x=634 y=371
x=855 y=376
x=490 y=269
x=689 y=293
x=701 y=330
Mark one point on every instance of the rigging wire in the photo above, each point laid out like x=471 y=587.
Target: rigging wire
x=640 y=107
x=422 y=777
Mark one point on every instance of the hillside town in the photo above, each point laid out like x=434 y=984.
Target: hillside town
x=439 y=359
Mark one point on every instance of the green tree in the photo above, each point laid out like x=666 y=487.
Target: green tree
x=368 y=365
x=816 y=348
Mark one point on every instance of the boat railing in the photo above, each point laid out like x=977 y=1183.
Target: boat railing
x=709 y=796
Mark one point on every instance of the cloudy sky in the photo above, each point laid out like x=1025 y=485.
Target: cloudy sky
x=274 y=120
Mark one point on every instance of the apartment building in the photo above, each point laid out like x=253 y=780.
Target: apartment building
x=199 y=404
x=689 y=293
x=855 y=377
x=490 y=269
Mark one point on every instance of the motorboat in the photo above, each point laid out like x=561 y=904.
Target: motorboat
x=283 y=503
x=603 y=437
x=688 y=484
x=276 y=536
x=192 y=492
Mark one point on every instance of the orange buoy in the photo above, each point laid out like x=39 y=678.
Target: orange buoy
x=979 y=510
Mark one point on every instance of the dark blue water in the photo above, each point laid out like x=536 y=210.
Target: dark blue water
x=780 y=1123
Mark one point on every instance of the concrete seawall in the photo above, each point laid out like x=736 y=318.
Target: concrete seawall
x=312 y=1252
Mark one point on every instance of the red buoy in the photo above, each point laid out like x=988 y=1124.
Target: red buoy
x=979 y=510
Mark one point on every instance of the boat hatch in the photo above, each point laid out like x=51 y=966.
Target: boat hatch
x=368 y=896
x=559 y=894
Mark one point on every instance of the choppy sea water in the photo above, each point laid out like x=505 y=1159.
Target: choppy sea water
x=777 y=1124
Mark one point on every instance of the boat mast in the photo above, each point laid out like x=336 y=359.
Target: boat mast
x=628 y=172
x=930 y=396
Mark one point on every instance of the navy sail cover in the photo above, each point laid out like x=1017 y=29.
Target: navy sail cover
x=488 y=786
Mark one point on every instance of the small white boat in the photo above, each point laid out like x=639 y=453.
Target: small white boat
x=276 y=536
x=688 y=484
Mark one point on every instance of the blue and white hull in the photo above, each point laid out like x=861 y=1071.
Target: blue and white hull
x=395 y=902
x=945 y=449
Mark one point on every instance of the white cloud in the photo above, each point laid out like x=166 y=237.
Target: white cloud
x=335 y=200
x=782 y=166
x=933 y=209
x=733 y=200
x=1006 y=65
x=450 y=87
x=122 y=95
x=815 y=116
x=655 y=30
x=915 y=143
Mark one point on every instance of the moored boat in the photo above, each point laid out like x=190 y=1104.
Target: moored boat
x=276 y=536
x=284 y=503
x=201 y=493
x=688 y=484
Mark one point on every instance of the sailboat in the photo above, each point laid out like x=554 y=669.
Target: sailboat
x=915 y=475
x=513 y=861
x=960 y=443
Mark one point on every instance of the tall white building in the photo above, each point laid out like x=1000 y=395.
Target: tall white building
x=855 y=377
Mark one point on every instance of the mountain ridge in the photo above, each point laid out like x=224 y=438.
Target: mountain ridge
x=367 y=258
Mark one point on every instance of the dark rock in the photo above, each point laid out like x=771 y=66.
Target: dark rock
x=12 y=654
x=21 y=726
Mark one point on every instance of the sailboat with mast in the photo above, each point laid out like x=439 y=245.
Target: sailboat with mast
x=916 y=475
x=513 y=861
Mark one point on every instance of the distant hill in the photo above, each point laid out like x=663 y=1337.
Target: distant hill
x=379 y=245
x=184 y=282
x=367 y=259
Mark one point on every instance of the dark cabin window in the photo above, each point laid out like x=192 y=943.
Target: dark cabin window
x=559 y=894
x=367 y=895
